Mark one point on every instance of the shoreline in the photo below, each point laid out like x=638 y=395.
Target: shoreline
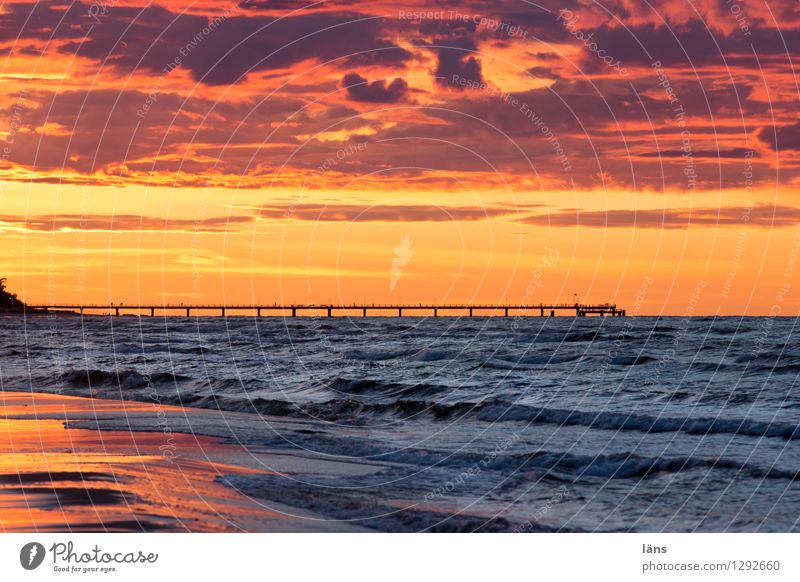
x=58 y=473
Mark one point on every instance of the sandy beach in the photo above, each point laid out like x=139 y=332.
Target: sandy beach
x=55 y=476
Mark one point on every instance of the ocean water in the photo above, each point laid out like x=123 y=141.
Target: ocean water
x=464 y=424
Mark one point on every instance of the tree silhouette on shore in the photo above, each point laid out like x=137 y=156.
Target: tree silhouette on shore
x=8 y=300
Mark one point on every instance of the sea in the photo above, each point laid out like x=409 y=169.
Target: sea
x=513 y=424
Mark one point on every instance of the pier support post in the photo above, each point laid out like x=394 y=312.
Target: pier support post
x=188 y=312
x=223 y=312
x=399 y=312
x=152 y=312
x=116 y=311
x=552 y=313
x=329 y=312
x=436 y=312
x=506 y=311
x=294 y=312
x=258 y=311
x=470 y=311
x=541 y=312
x=364 y=312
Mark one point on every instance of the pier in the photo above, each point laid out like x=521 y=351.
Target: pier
x=330 y=310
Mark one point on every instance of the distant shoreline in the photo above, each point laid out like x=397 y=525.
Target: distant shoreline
x=28 y=311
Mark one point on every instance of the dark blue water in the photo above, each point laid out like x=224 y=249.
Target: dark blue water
x=556 y=424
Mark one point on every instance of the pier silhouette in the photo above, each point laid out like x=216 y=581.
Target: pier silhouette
x=357 y=309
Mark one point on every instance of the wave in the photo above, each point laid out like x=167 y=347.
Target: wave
x=775 y=356
x=631 y=360
x=366 y=387
x=632 y=466
x=365 y=510
x=532 y=362
x=570 y=467
x=776 y=369
x=129 y=379
x=352 y=411
x=568 y=337
x=498 y=410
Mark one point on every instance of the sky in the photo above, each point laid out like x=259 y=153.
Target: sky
x=640 y=152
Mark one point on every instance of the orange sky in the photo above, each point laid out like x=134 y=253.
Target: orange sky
x=373 y=151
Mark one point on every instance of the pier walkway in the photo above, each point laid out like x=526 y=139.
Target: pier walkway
x=363 y=310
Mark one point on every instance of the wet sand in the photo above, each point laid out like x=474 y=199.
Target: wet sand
x=58 y=478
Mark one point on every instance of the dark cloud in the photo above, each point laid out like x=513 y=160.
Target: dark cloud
x=762 y=215
x=735 y=153
x=44 y=20
x=359 y=89
x=219 y=49
x=692 y=44
x=385 y=213
x=542 y=73
x=282 y=6
x=446 y=28
x=122 y=222
x=786 y=137
x=382 y=54
x=454 y=62
x=90 y=131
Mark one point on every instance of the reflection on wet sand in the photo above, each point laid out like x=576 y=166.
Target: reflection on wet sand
x=54 y=478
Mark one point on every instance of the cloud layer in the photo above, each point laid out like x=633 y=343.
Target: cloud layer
x=261 y=94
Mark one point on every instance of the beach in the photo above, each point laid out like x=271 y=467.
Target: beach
x=56 y=477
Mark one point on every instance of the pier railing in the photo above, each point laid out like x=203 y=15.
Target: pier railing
x=363 y=310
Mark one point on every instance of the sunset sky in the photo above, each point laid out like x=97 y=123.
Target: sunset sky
x=626 y=151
